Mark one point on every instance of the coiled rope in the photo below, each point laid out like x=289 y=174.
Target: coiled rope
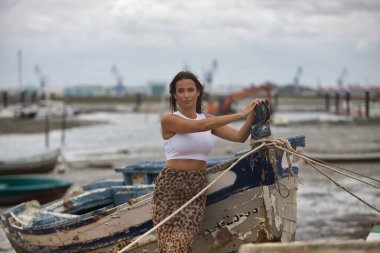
x=285 y=146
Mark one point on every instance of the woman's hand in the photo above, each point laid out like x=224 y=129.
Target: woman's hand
x=249 y=108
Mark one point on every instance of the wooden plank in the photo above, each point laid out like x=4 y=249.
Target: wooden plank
x=352 y=246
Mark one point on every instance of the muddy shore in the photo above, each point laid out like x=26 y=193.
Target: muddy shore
x=30 y=126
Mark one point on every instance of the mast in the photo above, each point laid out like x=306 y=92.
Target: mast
x=19 y=65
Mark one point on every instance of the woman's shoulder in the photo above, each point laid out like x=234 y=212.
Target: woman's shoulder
x=169 y=116
x=166 y=115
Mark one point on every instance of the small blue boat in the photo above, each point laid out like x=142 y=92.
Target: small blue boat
x=15 y=190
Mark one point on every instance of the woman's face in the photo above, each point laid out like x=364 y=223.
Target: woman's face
x=186 y=93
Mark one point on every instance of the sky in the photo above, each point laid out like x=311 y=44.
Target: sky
x=252 y=41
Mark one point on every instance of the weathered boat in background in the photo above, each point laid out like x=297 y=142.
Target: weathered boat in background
x=254 y=201
x=347 y=157
x=40 y=163
x=15 y=190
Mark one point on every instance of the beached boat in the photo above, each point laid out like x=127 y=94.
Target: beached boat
x=254 y=201
x=15 y=190
x=357 y=157
x=21 y=111
x=29 y=165
x=247 y=205
x=6 y=114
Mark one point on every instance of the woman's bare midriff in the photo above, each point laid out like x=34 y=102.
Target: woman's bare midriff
x=186 y=164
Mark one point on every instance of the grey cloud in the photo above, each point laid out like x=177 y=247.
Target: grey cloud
x=194 y=31
x=323 y=7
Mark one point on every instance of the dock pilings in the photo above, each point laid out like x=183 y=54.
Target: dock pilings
x=346 y=108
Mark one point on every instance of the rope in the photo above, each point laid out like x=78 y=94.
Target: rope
x=306 y=158
x=271 y=154
x=336 y=166
x=283 y=145
x=312 y=162
x=345 y=174
x=280 y=143
x=192 y=199
x=342 y=187
x=271 y=140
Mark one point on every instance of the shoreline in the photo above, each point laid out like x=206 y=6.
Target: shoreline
x=33 y=126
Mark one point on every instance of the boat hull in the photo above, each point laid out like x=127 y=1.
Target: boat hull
x=15 y=190
x=253 y=202
x=43 y=196
x=227 y=224
x=30 y=165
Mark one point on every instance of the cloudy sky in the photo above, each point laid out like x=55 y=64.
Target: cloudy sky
x=151 y=40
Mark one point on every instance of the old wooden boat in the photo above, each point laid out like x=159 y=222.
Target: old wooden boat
x=15 y=190
x=255 y=201
x=40 y=163
x=247 y=205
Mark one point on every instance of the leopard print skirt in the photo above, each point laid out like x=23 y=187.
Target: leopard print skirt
x=173 y=188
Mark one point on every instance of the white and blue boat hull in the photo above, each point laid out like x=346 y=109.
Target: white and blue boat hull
x=254 y=202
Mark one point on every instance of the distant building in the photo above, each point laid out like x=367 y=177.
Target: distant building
x=134 y=90
x=157 y=89
x=86 y=90
x=294 y=89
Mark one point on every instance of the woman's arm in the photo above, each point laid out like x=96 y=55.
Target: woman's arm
x=228 y=133
x=176 y=124
x=172 y=124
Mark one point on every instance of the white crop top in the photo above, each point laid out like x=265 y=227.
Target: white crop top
x=195 y=146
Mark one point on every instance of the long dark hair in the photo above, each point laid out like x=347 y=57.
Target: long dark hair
x=172 y=88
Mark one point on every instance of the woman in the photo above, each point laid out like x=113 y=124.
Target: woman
x=188 y=141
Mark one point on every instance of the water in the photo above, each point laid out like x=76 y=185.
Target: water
x=123 y=131
x=324 y=211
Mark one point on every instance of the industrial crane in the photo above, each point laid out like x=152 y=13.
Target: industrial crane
x=119 y=78
x=225 y=106
x=41 y=78
x=342 y=77
x=297 y=79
